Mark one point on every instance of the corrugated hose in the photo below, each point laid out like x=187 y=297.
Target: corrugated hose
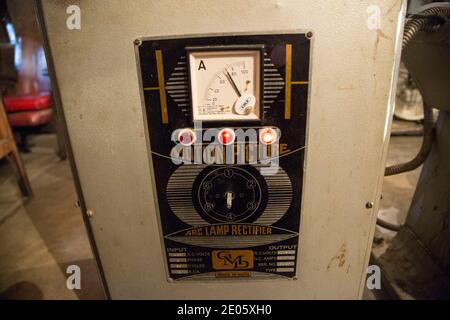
x=428 y=20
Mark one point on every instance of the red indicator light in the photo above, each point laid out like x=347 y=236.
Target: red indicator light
x=186 y=137
x=226 y=136
x=268 y=136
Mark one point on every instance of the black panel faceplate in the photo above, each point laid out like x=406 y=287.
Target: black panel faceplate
x=195 y=240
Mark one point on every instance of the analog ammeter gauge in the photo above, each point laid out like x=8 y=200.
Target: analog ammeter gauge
x=225 y=83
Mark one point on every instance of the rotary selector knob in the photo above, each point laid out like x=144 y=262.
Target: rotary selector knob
x=229 y=194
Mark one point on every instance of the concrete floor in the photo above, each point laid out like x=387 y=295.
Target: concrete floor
x=398 y=190
x=39 y=238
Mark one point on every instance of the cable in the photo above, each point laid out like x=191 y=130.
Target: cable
x=428 y=21
x=388 y=225
x=407 y=133
x=425 y=149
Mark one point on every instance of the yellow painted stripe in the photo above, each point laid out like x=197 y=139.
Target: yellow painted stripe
x=162 y=89
x=299 y=82
x=151 y=88
x=287 y=103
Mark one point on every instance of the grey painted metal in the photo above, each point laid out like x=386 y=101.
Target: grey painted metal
x=80 y=203
x=353 y=71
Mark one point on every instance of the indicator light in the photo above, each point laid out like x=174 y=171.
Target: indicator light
x=226 y=136
x=268 y=136
x=186 y=136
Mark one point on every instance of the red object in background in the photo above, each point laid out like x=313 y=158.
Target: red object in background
x=28 y=111
x=30 y=118
x=31 y=105
x=27 y=103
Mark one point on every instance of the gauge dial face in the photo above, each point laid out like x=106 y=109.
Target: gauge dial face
x=225 y=85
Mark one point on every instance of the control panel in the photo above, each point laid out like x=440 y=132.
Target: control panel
x=226 y=118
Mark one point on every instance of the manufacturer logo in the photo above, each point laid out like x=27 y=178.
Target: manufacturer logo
x=232 y=259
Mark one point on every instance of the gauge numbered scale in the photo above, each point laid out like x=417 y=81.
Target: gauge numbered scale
x=225 y=84
x=231 y=219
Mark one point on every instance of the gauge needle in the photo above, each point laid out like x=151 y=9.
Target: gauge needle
x=233 y=84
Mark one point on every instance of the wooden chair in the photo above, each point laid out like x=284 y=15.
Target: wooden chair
x=8 y=148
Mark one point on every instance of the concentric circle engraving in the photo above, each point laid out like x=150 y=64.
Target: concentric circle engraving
x=229 y=194
x=201 y=195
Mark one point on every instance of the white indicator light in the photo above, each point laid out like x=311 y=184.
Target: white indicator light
x=268 y=136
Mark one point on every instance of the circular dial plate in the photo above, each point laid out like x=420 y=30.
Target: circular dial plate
x=225 y=85
x=229 y=194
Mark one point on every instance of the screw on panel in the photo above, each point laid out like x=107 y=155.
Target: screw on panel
x=309 y=35
x=137 y=42
x=89 y=213
x=369 y=205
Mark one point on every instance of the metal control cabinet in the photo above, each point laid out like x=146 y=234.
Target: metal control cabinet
x=318 y=76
